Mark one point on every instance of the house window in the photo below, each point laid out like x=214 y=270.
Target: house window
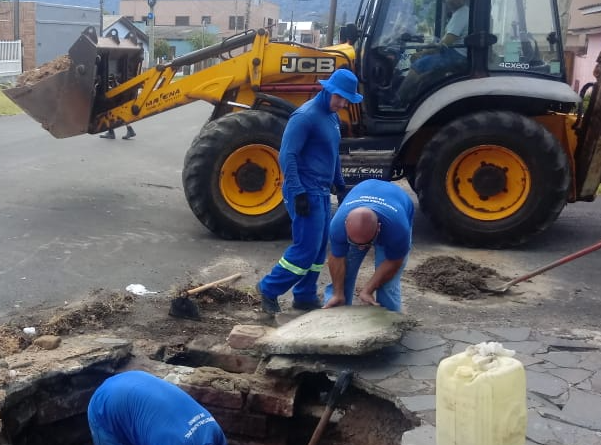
x=306 y=38
x=205 y=20
x=182 y=20
x=236 y=22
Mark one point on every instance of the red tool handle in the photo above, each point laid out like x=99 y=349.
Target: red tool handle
x=559 y=262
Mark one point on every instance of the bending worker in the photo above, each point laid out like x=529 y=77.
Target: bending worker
x=137 y=408
x=310 y=161
x=374 y=213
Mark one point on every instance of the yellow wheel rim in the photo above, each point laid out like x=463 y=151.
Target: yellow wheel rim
x=488 y=182
x=250 y=180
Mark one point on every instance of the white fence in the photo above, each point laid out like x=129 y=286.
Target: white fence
x=10 y=58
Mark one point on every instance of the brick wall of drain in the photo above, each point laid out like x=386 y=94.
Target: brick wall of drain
x=52 y=411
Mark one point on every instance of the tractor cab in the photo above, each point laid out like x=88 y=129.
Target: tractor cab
x=410 y=51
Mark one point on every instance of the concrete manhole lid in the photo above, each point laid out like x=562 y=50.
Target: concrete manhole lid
x=348 y=330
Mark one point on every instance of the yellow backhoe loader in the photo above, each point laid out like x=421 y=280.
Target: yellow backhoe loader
x=494 y=144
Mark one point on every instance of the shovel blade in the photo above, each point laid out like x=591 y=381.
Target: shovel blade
x=493 y=286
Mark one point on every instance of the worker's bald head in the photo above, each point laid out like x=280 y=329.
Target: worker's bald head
x=361 y=225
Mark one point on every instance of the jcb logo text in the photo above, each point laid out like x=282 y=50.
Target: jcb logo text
x=308 y=65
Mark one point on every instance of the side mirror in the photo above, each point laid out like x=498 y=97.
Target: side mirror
x=349 y=33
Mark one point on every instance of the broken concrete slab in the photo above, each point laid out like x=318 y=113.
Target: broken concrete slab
x=346 y=330
x=545 y=384
x=72 y=356
x=547 y=431
x=468 y=336
x=571 y=375
x=582 y=409
x=511 y=334
x=561 y=358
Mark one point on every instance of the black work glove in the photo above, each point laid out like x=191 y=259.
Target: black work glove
x=301 y=204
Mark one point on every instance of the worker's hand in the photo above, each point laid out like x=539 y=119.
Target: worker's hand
x=416 y=56
x=336 y=300
x=368 y=298
x=301 y=204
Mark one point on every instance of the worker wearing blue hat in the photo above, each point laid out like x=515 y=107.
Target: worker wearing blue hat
x=310 y=161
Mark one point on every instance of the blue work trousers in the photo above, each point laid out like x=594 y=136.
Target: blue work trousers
x=303 y=259
x=388 y=295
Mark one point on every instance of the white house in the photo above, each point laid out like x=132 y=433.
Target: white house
x=124 y=26
x=303 y=32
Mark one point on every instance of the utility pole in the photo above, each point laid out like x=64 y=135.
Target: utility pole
x=101 y=16
x=291 y=22
x=247 y=19
x=151 y=3
x=236 y=17
x=16 y=19
x=331 y=23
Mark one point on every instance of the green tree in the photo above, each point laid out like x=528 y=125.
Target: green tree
x=161 y=48
x=202 y=39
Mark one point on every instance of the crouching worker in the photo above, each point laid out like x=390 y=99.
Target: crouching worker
x=374 y=213
x=137 y=408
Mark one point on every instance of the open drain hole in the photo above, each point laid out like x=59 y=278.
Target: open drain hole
x=52 y=411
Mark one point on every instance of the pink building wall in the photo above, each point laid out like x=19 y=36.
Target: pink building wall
x=584 y=64
x=219 y=11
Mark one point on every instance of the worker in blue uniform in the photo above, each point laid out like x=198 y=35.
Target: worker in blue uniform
x=137 y=408
x=310 y=162
x=374 y=213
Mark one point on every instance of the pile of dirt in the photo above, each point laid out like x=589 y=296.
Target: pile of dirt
x=30 y=77
x=218 y=298
x=135 y=317
x=454 y=276
x=12 y=340
x=367 y=421
x=103 y=310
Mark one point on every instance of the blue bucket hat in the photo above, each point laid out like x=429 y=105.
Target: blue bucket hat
x=344 y=83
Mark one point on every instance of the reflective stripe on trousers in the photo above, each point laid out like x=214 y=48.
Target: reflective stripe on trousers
x=303 y=260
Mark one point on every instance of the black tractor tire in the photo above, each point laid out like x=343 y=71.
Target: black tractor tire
x=232 y=179
x=492 y=179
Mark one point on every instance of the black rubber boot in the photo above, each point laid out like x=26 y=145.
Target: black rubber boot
x=268 y=305
x=109 y=134
x=130 y=133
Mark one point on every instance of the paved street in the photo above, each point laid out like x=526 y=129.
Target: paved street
x=86 y=213
x=82 y=213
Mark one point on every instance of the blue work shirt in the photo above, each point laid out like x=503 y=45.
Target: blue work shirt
x=141 y=409
x=395 y=215
x=309 y=155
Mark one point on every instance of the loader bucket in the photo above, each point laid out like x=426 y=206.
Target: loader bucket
x=64 y=102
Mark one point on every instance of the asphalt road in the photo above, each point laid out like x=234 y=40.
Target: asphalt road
x=84 y=213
